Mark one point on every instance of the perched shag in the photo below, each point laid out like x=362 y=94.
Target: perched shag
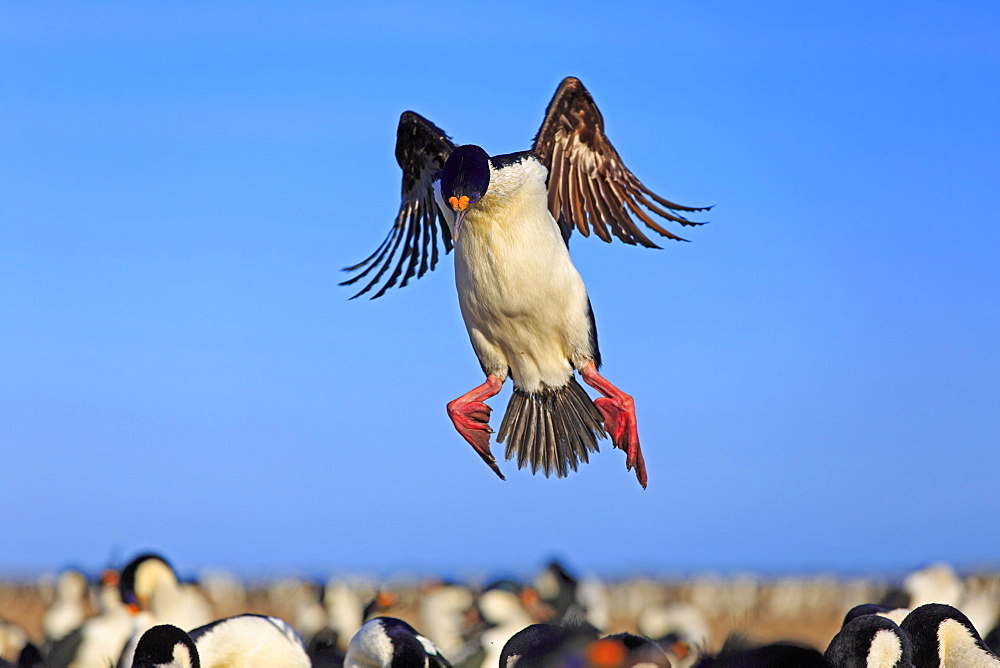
x=870 y=641
x=387 y=641
x=943 y=636
x=242 y=641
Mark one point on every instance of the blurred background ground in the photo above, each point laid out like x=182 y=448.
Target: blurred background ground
x=806 y=609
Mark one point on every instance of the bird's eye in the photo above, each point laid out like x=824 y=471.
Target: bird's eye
x=473 y=198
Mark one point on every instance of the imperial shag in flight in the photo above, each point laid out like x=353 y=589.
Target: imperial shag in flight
x=509 y=218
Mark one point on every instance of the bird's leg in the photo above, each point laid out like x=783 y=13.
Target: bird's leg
x=471 y=418
x=618 y=410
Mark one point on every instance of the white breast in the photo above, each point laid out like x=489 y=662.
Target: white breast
x=523 y=301
x=246 y=641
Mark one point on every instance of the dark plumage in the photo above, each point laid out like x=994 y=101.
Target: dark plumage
x=863 y=609
x=324 y=649
x=466 y=172
x=65 y=650
x=543 y=645
x=421 y=150
x=738 y=653
x=160 y=645
x=532 y=421
x=870 y=641
x=29 y=657
x=992 y=639
x=589 y=183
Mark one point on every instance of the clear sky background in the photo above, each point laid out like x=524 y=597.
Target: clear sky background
x=817 y=374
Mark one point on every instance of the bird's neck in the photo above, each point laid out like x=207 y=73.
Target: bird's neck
x=516 y=198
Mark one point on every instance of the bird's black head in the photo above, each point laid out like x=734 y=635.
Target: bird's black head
x=466 y=173
x=464 y=180
x=126 y=581
x=159 y=645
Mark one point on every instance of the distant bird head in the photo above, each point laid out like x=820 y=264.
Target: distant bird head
x=464 y=180
x=163 y=646
x=140 y=578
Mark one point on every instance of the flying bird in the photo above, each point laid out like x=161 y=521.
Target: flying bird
x=509 y=218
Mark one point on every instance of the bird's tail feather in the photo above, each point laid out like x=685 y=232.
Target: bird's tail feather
x=551 y=430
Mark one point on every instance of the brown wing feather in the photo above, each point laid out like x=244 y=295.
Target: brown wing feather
x=589 y=185
x=411 y=247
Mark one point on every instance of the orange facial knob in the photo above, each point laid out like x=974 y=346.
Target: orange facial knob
x=459 y=203
x=606 y=653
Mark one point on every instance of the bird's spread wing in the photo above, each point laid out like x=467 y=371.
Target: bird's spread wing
x=589 y=185
x=411 y=247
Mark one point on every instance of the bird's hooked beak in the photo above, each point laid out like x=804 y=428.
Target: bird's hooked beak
x=460 y=205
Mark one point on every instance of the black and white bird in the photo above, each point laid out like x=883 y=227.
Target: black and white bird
x=149 y=583
x=509 y=218
x=242 y=641
x=150 y=588
x=943 y=636
x=165 y=646
x=67 y=610
x=870 y=641
x=545 y=644
x=387 y=641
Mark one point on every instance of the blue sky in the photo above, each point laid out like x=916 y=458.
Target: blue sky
x=816 y=373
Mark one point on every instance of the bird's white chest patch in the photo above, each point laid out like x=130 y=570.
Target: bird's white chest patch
x=182 y=657
x=957 y=647
x=523 y=301
x=885 y=650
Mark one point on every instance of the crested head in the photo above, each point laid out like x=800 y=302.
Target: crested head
x=466 y=173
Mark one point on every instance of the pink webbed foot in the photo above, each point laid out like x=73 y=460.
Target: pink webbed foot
x=620 y=423
x=471 y=418
x=618 y=410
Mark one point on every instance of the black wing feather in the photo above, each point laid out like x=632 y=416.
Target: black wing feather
x=411 y=247
x=589 y=185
